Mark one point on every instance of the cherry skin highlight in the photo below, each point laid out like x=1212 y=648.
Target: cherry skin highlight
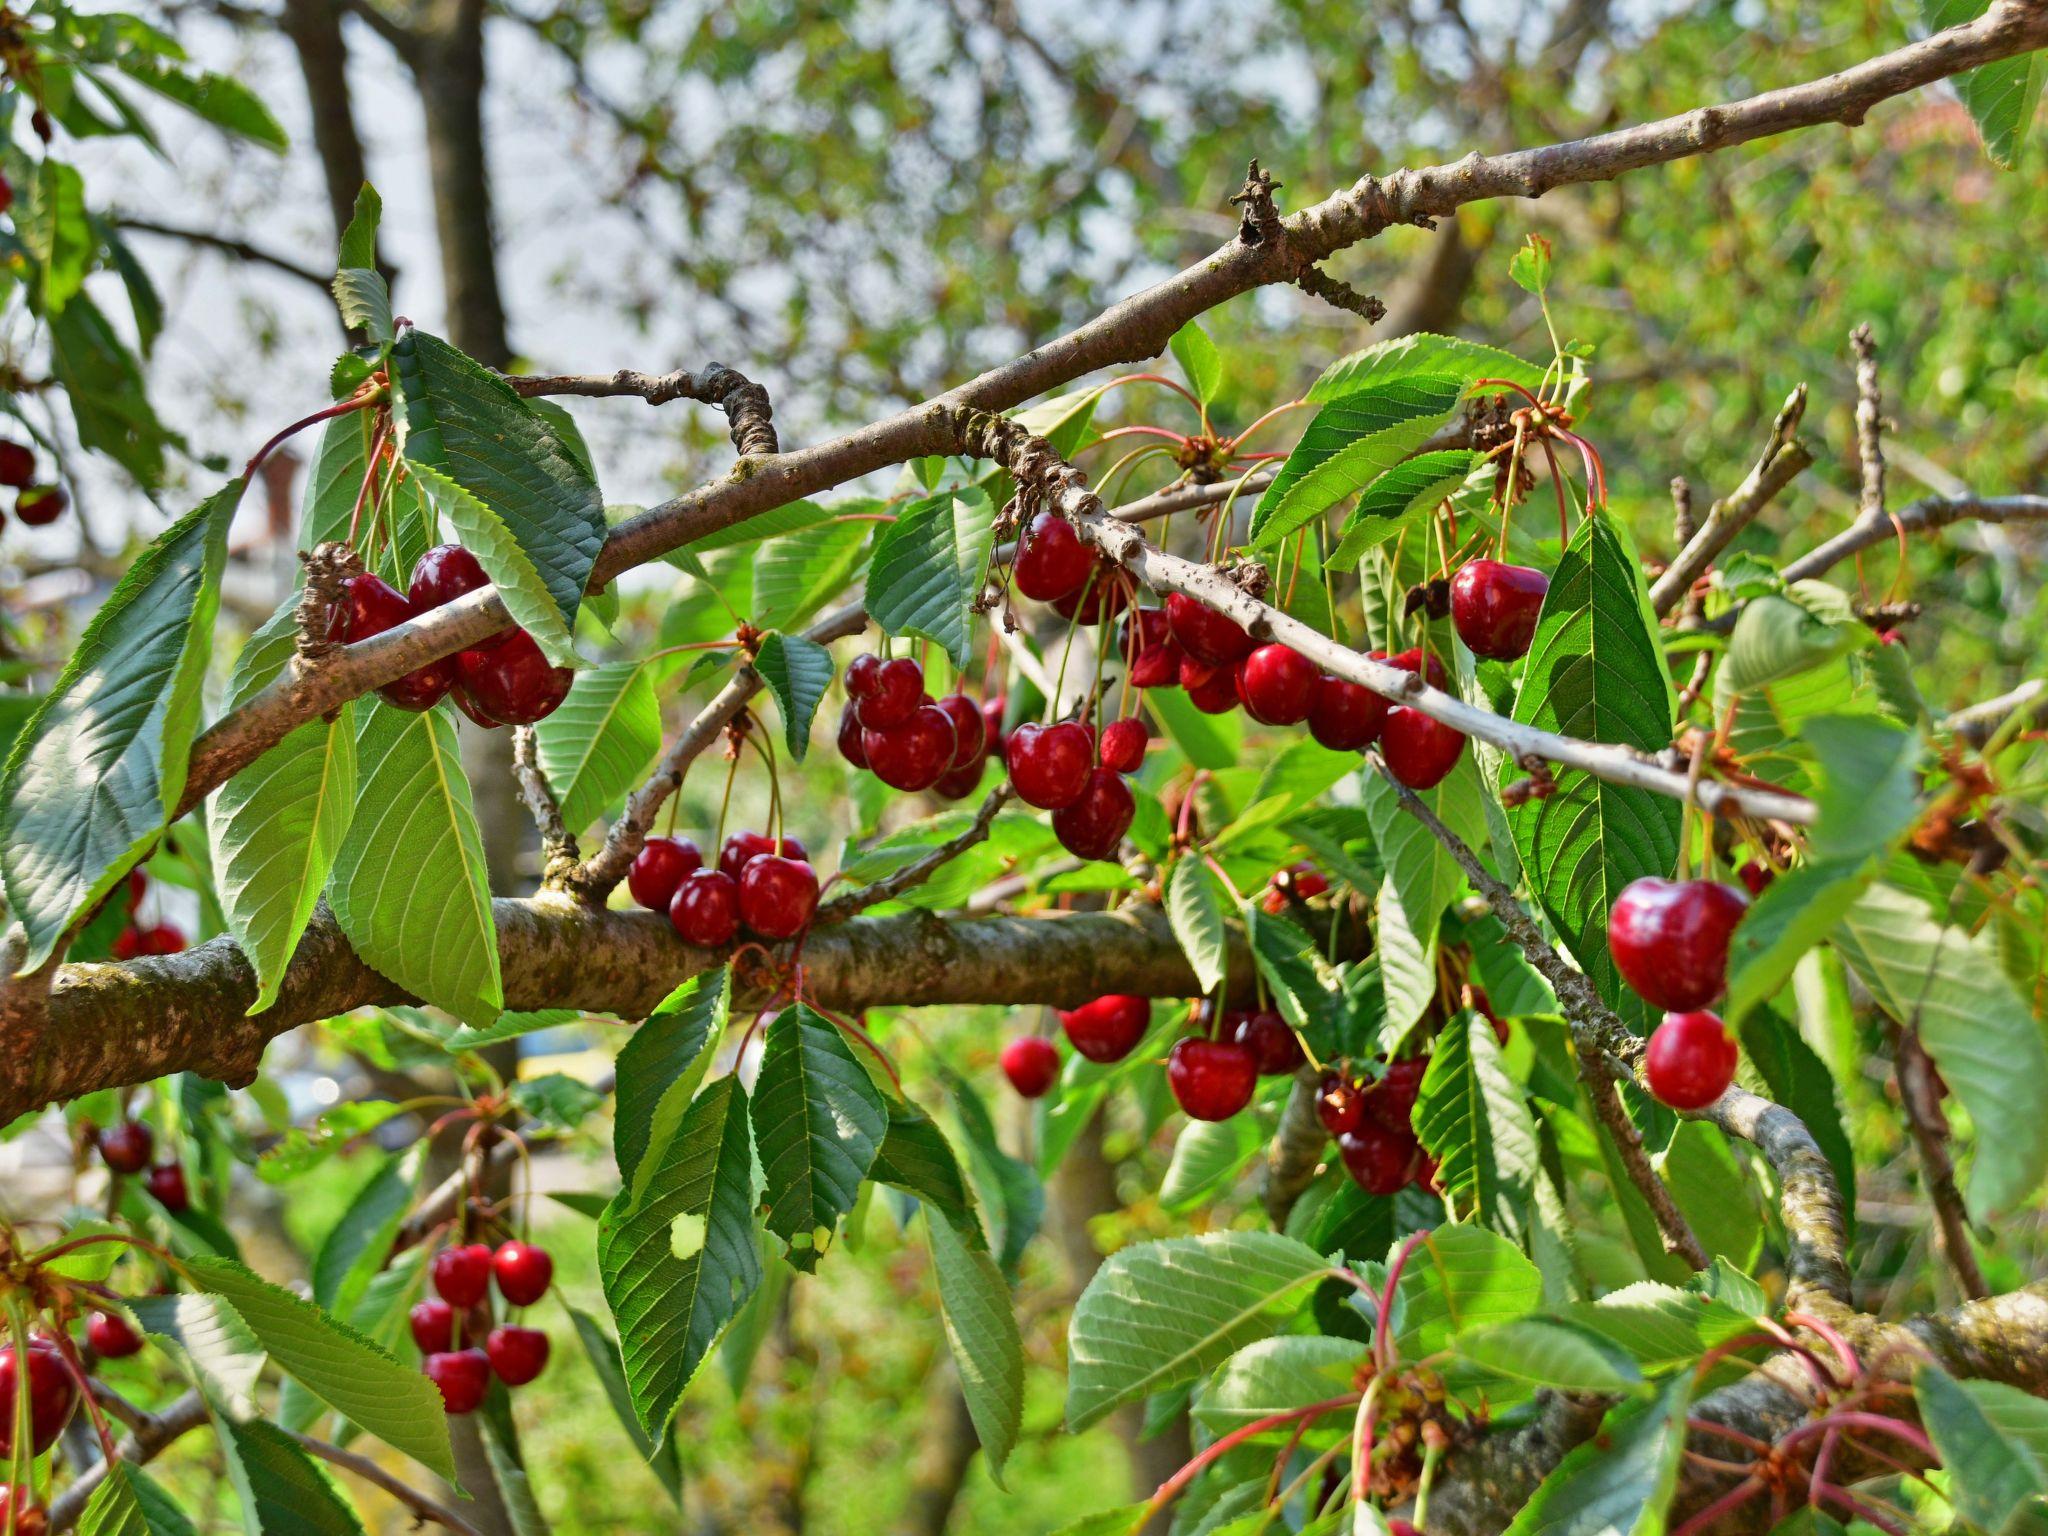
x=51 y=1396
x=1420 y=752
x=895 y=690
x=512 y=681
x=706 y=911
x=1032 y=1065
x=1273 y=1045
x=110 y=1337
x=1052 y=562
x=523 y=1272
x=1276 y=686
x=1380 y=1161
x=463 y=1375
x=778 y=896
x=1123 y=744
x=461 y=1275
x=1050 y=764
x=658 y=868
x=914 y=754
x=742 y=848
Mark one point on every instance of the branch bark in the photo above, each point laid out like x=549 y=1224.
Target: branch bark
x=1784 y=456
x=745 y=403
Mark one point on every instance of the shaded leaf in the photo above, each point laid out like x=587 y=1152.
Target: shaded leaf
x=981 y=1330
x=601 y=741
x=818 y=1121
x=797 y=671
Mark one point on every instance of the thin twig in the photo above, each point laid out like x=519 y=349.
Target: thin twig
x=1784 y=456
x=1922 y=1104
x=557 y=842
x=423 y=1506
x=1921 y=516
x=1602 y=1089
x=1978 y=723
x=1869 y=422
x=919 y=870
x=745 y=403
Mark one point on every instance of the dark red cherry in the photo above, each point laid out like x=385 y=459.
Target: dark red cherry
x=863 y=673
x=1276 y=685
x=135 y=888
x=1380 y=1161
x=1052 y=562
x=128 y=944
x=1340 y=1105
x=1212 y=690
x=17 y=465
x=1494 y=607
x=959 y=783
x=894 y=694
x=161 y=939
x=1411 y=661
x=369 y=606
x=166 y=1182
x=706 y=911
x=1211 y=1079
x=1123 y=744
x=433 y=1325
x=1206 y=635
x=1032 y=1065
x=1756 y=876
x=970 y=731
x=1302 y=878
x=992 y=710
x=778 y=896
x=1050 y=764
x=1345 y=716
x=1390 y=1099
x=51 y=1396
x=461 y=1275
x=522 y=1271
x=517 y=1354
x=28 y=1517
x=468 y=706
x=658 y=868
x=110 y=1337
x=511 y=680
x=1690 y=1060
x=915 y=754
x=1106 y=594
x=849 y=740
x=1093 y=826
x=1107 y=1028
x=1273 y=1045
x=127 y=1147
x=1156 y=666
x=463 y=1375
x=41 y=505
x=1420 y=752
x=742 y=848
x=1669 y=939
x=443 y=574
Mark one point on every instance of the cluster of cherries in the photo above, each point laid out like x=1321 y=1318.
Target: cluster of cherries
x=893 y=728
x=444 y=1324
x=766 y=884
x=1669 y=939
x=138 y=938
x=127 y=1148
x=36 y=505
x=502 y=680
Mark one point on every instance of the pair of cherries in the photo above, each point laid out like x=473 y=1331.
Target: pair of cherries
x=1669 y=940
x=766 y=884
x=1372 y=1126
x=502 y=680
x=463 y=1277
x=897 y=731
x=1105 y=1029
x=36 y=505
x=128 y=1147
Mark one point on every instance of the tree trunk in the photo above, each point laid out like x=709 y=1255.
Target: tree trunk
x=448 y=65
x=314 y=29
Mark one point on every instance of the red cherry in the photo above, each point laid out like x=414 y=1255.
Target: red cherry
x=1101 y=600
x=433 y=1325
x=1411 y=661
x=462 y=1275
x=1093 y=826
x=1401 y=1528
x=959 y=783
x=1303 y=878
x=914 y=754
x=1211 y=1079
x=51 y=1396
x=778 y=896
x=1272 y=1044
x=1050 y=764
x=1756 y=876
x=1052 y=562
x=1212 y=690
x=658 y=868
x=1494 y=607
x=137 y=888
x=1340 y=1106
x=1032 y=1065
x=1890 y=637
x=1669 y=939
x=1690 y=1060
x=1380 y=1161
x=443 y=574
x=463 y=1375
x=1123 y=744
x=522 y=1271
x=128 y=944
x=369 y=606
x=1391 y=1100
x=1206 y=635
x=862 y=675
x=992 y=724
x=895 y=690
x=469 y=707
x=1345 y=716
x=1276 y=685
x=511 y=680
x=163 y=939
x=17 y=463
x=28 y=1517
x=1108 y=1028
x=1420 y=752
x=166 y=1181
x=41 y=505
x=970 y=731
x=110 y=1337
x=517 y=1354
x=706 y=911
x=849 y=736
x=742 y=848
x=126 y=1148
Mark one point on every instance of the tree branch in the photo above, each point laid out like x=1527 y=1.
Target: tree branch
x=423 y=1506
x=1600 y=1080
x=557 y=842
x=147 y=1441
x=227 y=245
x=1784 y=456
x=920 y=870
x=1869 y=422
x=1922 y=516
x=744 y=402
x=1921 y=1101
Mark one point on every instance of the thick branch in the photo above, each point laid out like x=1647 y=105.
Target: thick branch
x=1784 y=456
x=1869 y=422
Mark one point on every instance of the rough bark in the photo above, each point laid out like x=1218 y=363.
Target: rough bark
x=314 y=29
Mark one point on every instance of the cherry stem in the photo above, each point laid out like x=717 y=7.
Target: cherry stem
x=363 y=399
x=1142 y=431
x=1836 y=1494
x=1383 y=1333
x=1733 y=1499
x=1857 y=1419
x=355 y=517
x=1363 y=1432
x=1173 y=1486
x=1274 y=414
x=1834 y=1339
x=1150 y=378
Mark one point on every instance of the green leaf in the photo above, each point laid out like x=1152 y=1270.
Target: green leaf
x=1420 y=353
x=1386 y=506
x=1867 y=786
x=335 y=479
x=501 y=474
x=2001 y=97
x=1275 y=1375
x=1208 y=1155
x=660 y=1069
x=601 y=741
x=1530 y=266
x=1946 y=983
x=928 y=569
x=509 y=1025
x=221 y=100
x=1620 y=1482
x=603 y=1354
x=211 y=1336
x=1550 y=1354
x=357 y=1245
x=364 y=299
x=128 y=1503
x=409 y=887
x=283 y=1491
x=276 y=826
x=1351 y=442
x=1421 y=880
x=1472 y=1117
x=678 y=1263
x=1199 y=360
x=92 y=779
x=1207 y=741
x=1595 y=671
x=57 y=233
x=981 y=1330
x=796 y=575
x=1776 y=639
x=1993 y=1441
x=1459 y=1278
x=818 y=1121
x=1010 y=1184
x=1194 y=908
x=916 y=1158
x=1661 y=1326
x=1162 y=1313
x=102 y=383
x=1796 y=911
x=797 y=671
x=334 y=1362
x=359 y=241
